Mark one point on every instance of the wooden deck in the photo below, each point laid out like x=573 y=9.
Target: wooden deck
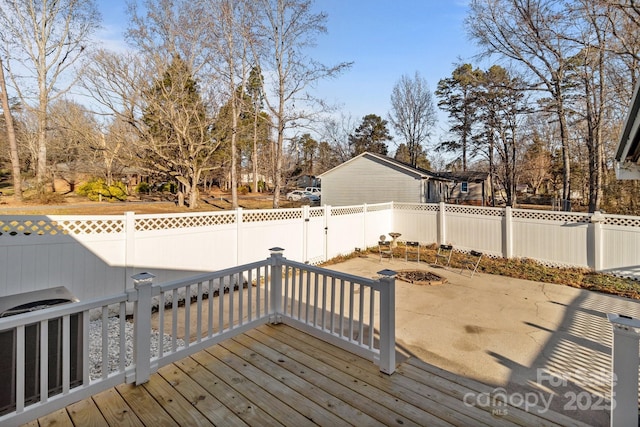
x=277 y=375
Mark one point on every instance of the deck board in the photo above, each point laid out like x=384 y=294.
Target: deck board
x=278 y=375
x=86 y=413
x=115 y=409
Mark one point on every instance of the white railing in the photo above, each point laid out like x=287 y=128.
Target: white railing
x=185 y=316
x=342 y=309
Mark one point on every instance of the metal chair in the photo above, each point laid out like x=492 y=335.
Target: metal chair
x=412 y=250
x=471 y=262
x=443 y=256
x=384 y=248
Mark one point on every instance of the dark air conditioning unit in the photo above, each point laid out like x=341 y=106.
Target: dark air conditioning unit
x=13 y=305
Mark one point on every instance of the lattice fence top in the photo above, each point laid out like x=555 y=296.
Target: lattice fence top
x=376 y=208
x=51 y=227
x=624 y=221
x=417 y=207
x=271 y=215
x=474 y=210
x=188 y=221
x=565 y=217
x=316 y=212
x=349 y=210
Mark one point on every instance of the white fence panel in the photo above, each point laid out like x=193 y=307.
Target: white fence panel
x=556 y=238
x=315 y=236
x=474 y=228
x=621 y=245
x=261 y=230
x=94 y=256
x=416 y=222
x=378 y=222
x=345 y=230
x=34 y=262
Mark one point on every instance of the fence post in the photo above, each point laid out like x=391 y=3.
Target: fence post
x=442 y=231
x=387 y=321
x=507 y=233
x=327 y=215
x=596 y=219
x=624 y=366
x=305 y=233
x=363 y=244
x=129 y=247
x=142 y=326
x=275 y=291
x=238 y=235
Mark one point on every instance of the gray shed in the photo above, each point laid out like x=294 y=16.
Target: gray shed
x=374 y=178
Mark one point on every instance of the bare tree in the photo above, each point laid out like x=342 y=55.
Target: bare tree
x=413 y=113
x=336 y=133
x=231 y=22
x=11 y=137
x=531 y=33
x=41 y=41
x=167 y=31
x=286 y=30
x=73 y=142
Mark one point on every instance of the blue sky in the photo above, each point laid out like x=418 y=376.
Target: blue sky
x=383 y=38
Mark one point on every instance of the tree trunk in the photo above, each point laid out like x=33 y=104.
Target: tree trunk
x=566 y=160
x=254 y=154
x=11 y=136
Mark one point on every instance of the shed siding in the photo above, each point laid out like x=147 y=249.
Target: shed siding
x=472 y=196
x=366 y=181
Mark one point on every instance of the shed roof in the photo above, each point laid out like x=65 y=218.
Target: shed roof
x=392 y=163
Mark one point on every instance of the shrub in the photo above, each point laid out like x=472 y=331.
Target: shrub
x=143 y=187
x=96 y=189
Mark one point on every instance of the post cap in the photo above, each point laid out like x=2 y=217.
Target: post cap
x=276 y=250
x=625 y=322
x=387 y=273
x=143 y=276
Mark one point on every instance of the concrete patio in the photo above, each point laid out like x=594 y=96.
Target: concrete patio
x=541 y=343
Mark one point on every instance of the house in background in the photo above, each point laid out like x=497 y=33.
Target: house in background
x=374 y=178
x=468 y=187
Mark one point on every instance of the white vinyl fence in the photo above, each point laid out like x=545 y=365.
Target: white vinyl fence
x=95 y=256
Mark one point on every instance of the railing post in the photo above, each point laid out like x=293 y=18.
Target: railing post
x=624 y=366
x=142 y=326
x=442 y=231
x=387 y=360
x=275 y=291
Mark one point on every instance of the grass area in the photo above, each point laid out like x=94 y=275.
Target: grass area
x=72 y=204
x=530 y=270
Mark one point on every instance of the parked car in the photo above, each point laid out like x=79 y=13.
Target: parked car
x=314 y=190
x=303 y=196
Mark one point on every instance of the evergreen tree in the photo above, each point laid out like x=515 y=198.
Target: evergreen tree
x=370 y=136
x=458 y=97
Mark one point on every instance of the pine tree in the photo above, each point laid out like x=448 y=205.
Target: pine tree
x=370 y=136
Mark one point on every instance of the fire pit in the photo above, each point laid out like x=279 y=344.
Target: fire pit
x=420 y=277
